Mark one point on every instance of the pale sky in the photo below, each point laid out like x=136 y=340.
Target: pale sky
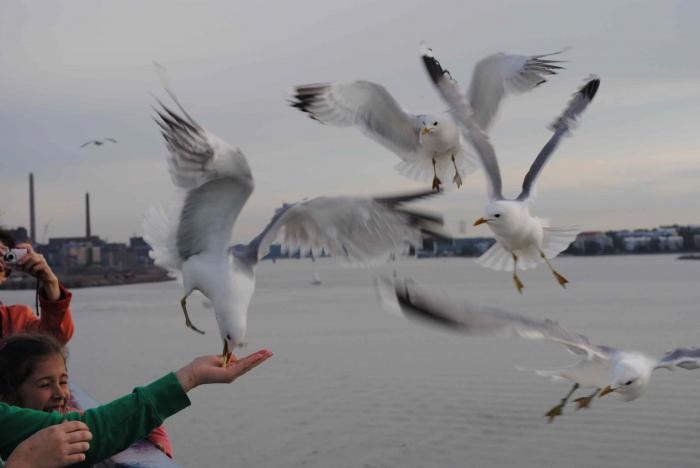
x=76 y=70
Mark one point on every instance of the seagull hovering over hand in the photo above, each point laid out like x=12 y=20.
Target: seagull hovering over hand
x=98 y=142
x=623 y=373
x=214 y=182
x=428 y=144
x=522 y=240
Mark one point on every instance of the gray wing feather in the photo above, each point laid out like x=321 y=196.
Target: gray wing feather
x=215 y=176
x=467 y=317
x=364 y=104
x=498 y=74
x=357 y=230
x=562 y=126
x=463 y=114
x=208 y=215
x=684 y=358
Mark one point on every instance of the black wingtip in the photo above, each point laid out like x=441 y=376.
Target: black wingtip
x=433 y=67
x=416 y=311
x=590 y=89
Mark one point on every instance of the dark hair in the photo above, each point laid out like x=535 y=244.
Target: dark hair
x=7 y=239
x=19 y=354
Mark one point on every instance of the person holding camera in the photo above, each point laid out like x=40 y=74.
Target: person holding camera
x=53 y=298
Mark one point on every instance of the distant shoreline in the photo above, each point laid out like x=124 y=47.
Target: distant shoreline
x=91 y=280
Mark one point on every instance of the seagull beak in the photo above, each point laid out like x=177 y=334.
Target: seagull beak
x=605 y=391
x=480 y=221
x=424 y=131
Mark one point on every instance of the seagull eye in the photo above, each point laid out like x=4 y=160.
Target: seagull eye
x=497 y=215
x=629 y=382
x=435 y=123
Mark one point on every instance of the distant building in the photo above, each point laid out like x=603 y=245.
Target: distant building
x=592 y=243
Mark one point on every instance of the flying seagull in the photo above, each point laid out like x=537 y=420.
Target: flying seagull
x=214 y=182
x=522 y=240
x=428 y=144
x=98 y=142
x=623 y=373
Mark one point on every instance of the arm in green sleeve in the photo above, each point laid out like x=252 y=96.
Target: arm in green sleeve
x=114 y=426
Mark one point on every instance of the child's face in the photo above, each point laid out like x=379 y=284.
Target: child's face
x=46 y=388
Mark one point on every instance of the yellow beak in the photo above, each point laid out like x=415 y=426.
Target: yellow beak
x=605 y=391
x=424 y=130
x=480 y=221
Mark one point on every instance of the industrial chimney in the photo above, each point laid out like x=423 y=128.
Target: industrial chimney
x=32 y=213
x=87 y=216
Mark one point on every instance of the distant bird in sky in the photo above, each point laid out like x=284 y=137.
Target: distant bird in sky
x=214 y=183
x=428 y=144
x=522 y=240
x=623 y=373
x=98 y=142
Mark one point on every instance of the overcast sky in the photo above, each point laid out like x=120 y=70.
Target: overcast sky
x=71 y=71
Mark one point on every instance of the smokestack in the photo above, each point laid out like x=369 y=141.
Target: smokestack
x=87 y=215
x=32 y=214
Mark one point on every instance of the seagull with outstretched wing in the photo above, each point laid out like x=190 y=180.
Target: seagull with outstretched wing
x=429 y=145
x=98 y=142
x=214 y=181
x=522 y=240
x=623 y=373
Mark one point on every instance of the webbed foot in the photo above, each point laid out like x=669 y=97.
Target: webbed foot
x=554 y=412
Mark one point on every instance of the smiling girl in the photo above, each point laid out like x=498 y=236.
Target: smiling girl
x=33 y=374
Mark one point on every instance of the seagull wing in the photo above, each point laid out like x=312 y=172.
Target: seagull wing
x=215 y=181
x=358 y=230
x=684 y=358
x=467 y=317
x=364 y=104
x=110 y=139
x=464 y=116
x=498 y=74
x=562 y=126
x=91 y=142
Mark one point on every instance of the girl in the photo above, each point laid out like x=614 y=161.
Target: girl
x=33 y=375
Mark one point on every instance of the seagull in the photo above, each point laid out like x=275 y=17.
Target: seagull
x=98 y=142
x=214 y=182
x=522 y=240
x=428 y=144
x=623 y=373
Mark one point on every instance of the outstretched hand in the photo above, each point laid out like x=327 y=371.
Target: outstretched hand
x=60 y=445
x=208 y=370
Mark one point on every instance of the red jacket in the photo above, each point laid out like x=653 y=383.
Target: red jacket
x=55 y=318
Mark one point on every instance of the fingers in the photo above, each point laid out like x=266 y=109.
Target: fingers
x=72 y=426
x=248 y=363
x=72 y=459
x=82 y=435
x=76 y=448
x=24 y=245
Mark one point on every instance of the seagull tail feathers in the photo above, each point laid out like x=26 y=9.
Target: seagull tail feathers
x=558 y=239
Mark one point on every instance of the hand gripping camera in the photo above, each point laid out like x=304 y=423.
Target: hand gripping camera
x=12 y=255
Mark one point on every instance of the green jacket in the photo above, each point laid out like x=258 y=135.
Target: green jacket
x=114 y=426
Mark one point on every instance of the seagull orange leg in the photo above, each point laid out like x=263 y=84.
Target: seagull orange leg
x=518 y=284
x=560 y=278
x=556 y=411
x=585 y=402
x=436 y=181
x=456 y=179
x=188 y=322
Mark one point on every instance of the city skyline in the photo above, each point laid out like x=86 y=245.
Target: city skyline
x=72 y=75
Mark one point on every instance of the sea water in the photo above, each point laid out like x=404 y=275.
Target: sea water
x=352 y=386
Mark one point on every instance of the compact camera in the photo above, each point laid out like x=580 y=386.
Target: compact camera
x=12 y=255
